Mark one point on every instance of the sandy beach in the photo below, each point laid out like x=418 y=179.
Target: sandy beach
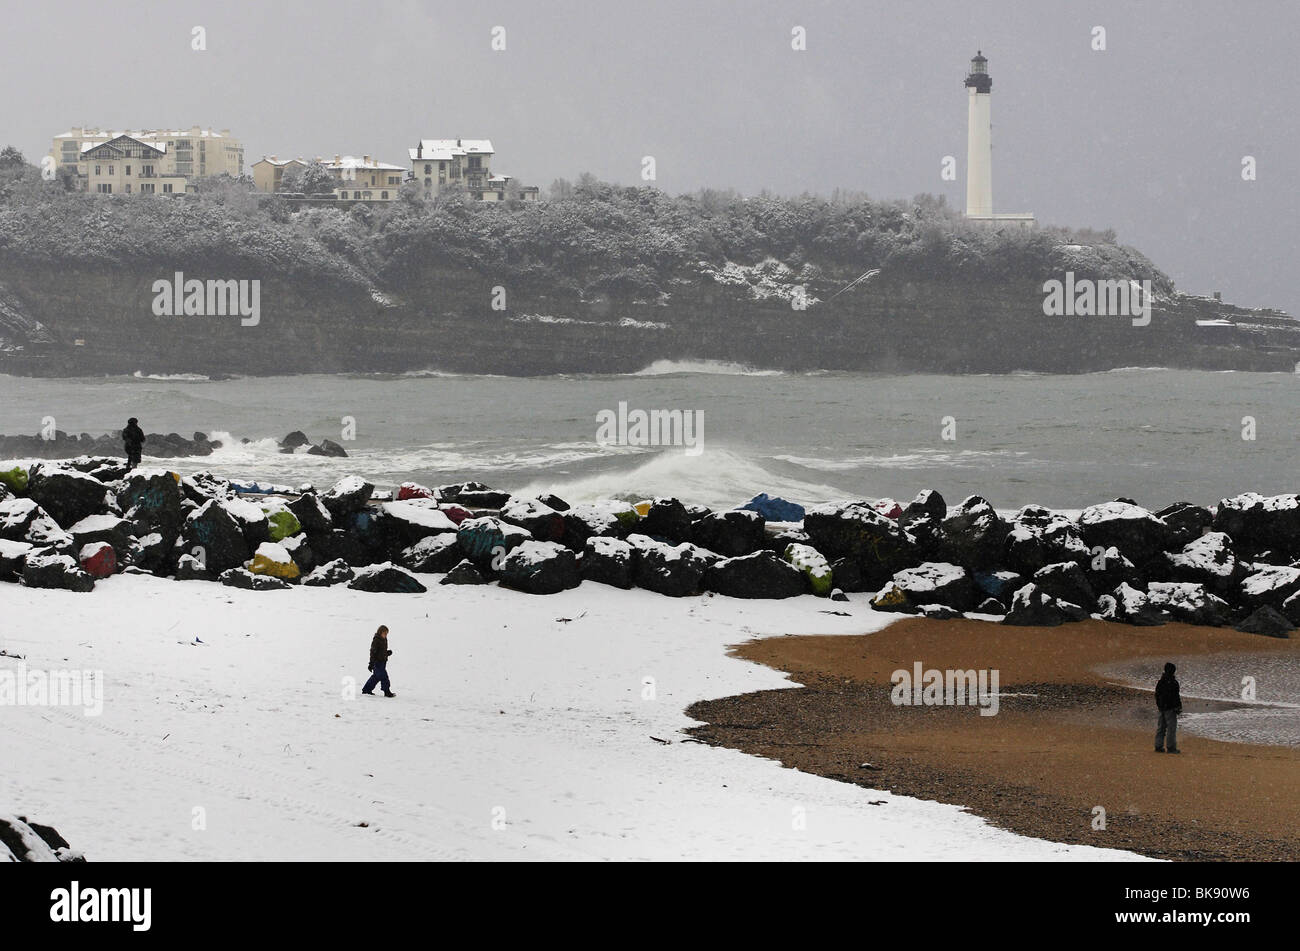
x=1065 y=741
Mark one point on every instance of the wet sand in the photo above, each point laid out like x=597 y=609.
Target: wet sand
x=1064 y=741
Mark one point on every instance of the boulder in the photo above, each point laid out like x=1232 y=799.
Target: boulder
x=973 y=535
x=1271 y=586
x=991 y=606
x=243 y=578
x=1186 y=522
x=311 y=514
x=1108 y=569
x=66 y=495
x=893 y=599
x=386 y=578
x=1267 y=621
x=487 y=539
x=152 y=499
x=13 y=556
x=212 y=534
x=888 y=508
x=22 y=520
x=331 y=573
x=328 y=447
x=554 y=501
x=773 y=509
x=672 y=570
x=116 y=531
x=98 y=559
x=816 y=570
x=295 y=439
x=1033 y=607
x=585 y=521
x=1039 y=537
x=464 y=573
x=251 y=519
x=927 y=504
x=857 y=531
x=189 y=568
x=540 y=567
x=346 y=497
x=1066 y=581
x=46 y=569
x=200 y=487
x=1257 y=523
x=339 y=544
x=15 y=479
x=23 y=841
x=1129 y=605
x=667 y=520
x=999 y=584
x=758 y=575
x=1137 y=533
x=939 y=612
x=542 y=522
x=403 y=523
x=937 y=583
x=1208 y=560
x=413 y=490
x=1188 y=602
x=848 y=575
x=272 y=559
x=436 y=553
x=730 y=534
x=609 y=561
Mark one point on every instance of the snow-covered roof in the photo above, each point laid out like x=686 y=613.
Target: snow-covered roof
x=107 y=134
x=279 y=161
x=446 y=149
x=159 y=147
x=351 y=161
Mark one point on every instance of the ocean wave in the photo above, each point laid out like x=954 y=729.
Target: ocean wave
x=173 y=377
x=920 y=459
x=714 y=367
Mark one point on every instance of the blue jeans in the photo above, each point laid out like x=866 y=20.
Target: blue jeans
x=380 y=676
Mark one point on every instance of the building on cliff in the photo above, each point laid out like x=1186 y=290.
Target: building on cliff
x=128 y=166
x=177 y=153
x=268 y=173
x=979 y=150
x=442 y=163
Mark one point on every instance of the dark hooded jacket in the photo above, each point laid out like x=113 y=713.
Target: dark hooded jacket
x=133 y=436
x=1167 y=697
x=379 y=651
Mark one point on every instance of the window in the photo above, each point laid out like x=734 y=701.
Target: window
x=356 y=196
x=167 y=189
x=146 y=188
x=105 y=188
x=392 y=180
x=428 y=167
x=128 y=188
x=128 y=170
x=428 y=182
x=475 y=161
x=501 y=196
x=110 y=170
x=96 y=169
x=384 y=195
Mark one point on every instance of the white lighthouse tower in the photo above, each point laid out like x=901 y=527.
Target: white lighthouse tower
x=979 y=150
x=979 y=144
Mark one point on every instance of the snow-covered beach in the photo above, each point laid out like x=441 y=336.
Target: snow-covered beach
x=516 y=734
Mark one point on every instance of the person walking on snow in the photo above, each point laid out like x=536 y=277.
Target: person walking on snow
x=379 y=654
x=133 y=441
x=1170 y=704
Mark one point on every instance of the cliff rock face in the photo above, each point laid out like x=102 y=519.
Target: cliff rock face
x=70 y=318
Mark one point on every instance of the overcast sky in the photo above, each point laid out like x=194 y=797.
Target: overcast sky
x=1146 y=137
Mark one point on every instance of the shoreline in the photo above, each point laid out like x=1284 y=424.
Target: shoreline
x=1064 y=741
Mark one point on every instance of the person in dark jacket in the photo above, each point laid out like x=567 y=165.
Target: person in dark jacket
x=379 y=654
x=133 y=440
x=1170 y=704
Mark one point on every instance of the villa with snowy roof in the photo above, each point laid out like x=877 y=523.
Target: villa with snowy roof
x=171 y=154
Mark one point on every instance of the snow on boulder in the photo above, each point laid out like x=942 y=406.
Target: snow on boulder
x=759 y=575
x=609 y=561
x=1272 y=585
x=1107 y=569
x=243 y=578
x=542 y=522
x=594 y=520
x=474 y=495
x=311 y=514
x=540 y=567
x=190 y=568
x=250 y=518
x=436 y=553
x=1136 y=532
x=274 y=560
x=1066 y=581
x=386 y=578
x=1033 y=607
x=281 y=522
x=1207 y=560
x=672 y=570
x=892 y=599
x=46 y=569
x=98 y=559
x=68 y=496
x=331 y=573
x=1188 y=602
x=1186 y=522
x=19 y=842
x=774 y=509
x=464 y=573
x=117 y=531
x=215 y=538
x=488 y=539
x=888 y=508
x=1039 y=537
x=813 y=565
x=347 y=496
x=23 y=520
x=855 y=530
x=973 y=535
x=937 y=583
x=999 y=584
x=413 y=490
x=666 y=519
x=152 y=499
x=730 y=534
x=13 y=555
x=1130 y=606
x=927 y=504
x=399 y=525
x=1258 y=523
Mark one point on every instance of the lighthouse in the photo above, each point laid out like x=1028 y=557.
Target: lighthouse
x=979 y=145
x=979 y=151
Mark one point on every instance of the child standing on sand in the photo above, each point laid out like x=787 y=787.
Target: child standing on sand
x=379 y=654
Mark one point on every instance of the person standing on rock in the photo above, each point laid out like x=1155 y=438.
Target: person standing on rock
x=133 y=440
x=1170 y=704
x=379 y=654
